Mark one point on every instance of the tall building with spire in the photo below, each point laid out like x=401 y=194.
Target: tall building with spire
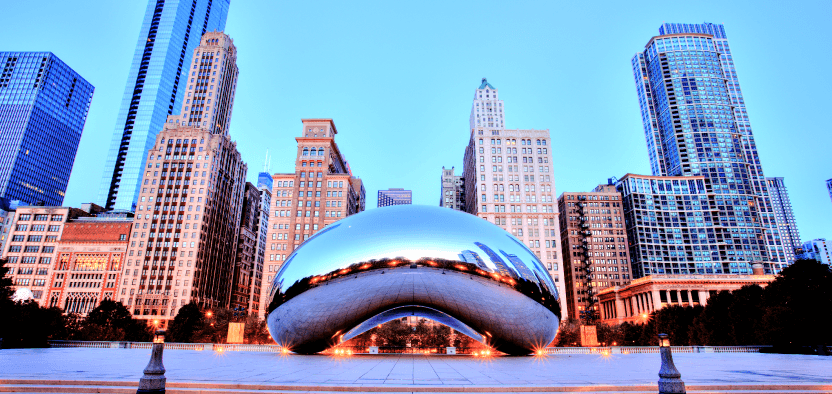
x=159 y=76
x=320 y=191
x=509 y=181
x=264 y=178
x=696 y=125
x=191 y=200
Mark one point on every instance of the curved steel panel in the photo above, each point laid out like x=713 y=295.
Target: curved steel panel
x=374 y=262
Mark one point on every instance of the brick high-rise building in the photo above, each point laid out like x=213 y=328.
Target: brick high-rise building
x=594 y=244
x=452 y=190
x=321 y=191
x=509 y=181
x=88 y=262
x=191 y=198
x=246 y=259
x=30 y=250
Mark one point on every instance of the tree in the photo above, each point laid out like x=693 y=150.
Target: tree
x=393 y=333
x=569 y=333
x=744 y=315
x=674 y=321
x=5 y=286
x=797 y=306
x=187 y=323
x=111 y=321
x=257 y=331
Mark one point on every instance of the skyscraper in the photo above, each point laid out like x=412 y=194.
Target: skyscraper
x=784 y=216
x=191 y=199
x=517 y=197
x=155 y=88
x=696 y=124
x=264 y=178
x=394 y=196
x=817 y=249
x=321 y=191
x=452 y=190
x=43 y=108
x=829 y=187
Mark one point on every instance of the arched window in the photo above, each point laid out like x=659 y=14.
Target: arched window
x=306 y=151
x=320 y=151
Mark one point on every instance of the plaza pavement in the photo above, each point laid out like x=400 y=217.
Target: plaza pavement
x=398 y=371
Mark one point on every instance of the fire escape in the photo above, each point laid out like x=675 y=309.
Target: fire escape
x=588 y=315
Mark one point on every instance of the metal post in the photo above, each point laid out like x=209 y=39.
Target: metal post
x=153 y=380
x=670 y=381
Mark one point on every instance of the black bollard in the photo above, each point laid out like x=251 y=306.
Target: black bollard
x=153 y=380
x=670 y=380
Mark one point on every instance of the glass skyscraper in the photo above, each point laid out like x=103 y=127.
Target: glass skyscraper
x=696 y=124
x=170 y=32
x=43 y=108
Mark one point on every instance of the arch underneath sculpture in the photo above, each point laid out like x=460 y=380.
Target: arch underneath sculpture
x=413 y=310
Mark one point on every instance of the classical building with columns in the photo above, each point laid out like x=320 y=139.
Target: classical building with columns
x=634 y=303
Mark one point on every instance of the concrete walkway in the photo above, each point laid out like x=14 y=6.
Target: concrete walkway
x=406 y=370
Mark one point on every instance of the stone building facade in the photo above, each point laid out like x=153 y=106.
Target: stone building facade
x=634 y=303
x=594 y=244
x=452 y=190
x=321 y=191
x=509 y=180
x=88 y=264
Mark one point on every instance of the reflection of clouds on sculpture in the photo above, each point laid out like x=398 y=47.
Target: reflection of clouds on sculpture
x=457 y=264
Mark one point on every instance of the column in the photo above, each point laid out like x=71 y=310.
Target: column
x=619 y=306
x=703 y=297
x=690 y=297
x=657 y=300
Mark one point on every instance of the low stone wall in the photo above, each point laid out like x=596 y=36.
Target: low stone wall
x=652 y=349
x=277 y=349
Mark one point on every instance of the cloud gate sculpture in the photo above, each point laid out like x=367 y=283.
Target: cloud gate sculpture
x=387 y=263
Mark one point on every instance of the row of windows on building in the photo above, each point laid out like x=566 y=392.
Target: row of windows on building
x=328 y=214
x=40 y=218
x=524 y=151
x=519 y=209
x=513 y=141
x=515 y=159
x=516 y=169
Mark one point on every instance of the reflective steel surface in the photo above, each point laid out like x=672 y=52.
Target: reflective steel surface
x=405 y=260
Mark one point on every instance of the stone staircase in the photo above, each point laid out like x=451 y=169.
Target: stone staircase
x=125 y=387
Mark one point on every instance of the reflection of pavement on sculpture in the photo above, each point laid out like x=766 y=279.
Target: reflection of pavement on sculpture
x=398 y=370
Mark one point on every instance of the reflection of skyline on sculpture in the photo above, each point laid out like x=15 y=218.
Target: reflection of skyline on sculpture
x=375 y=265
x=380 y=238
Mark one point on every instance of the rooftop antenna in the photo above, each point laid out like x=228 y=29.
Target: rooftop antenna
x=267 y=164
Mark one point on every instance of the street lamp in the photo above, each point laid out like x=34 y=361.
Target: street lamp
x=670 y=380
x=153 y=380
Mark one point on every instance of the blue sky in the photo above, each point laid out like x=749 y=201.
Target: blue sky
x=398 y=79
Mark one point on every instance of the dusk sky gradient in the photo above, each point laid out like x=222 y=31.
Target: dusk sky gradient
x=398 y=79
